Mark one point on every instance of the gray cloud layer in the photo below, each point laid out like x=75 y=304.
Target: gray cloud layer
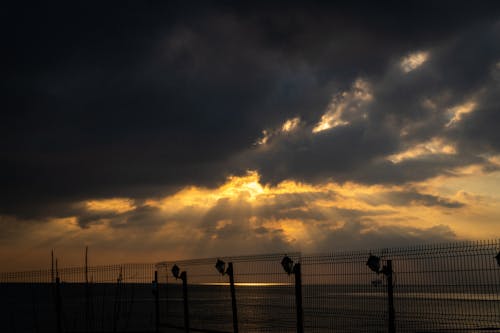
x=141 y=101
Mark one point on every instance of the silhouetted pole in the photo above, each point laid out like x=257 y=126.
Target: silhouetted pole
x=233 y=297
x=390 y=297
x=157 y=302
x=185 y=297
x=58 y=305
x=298 y=298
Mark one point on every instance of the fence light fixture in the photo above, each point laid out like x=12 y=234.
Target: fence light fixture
x=220 y=265
x=287 y=264
x=374 y=263
x=176 y=271
x=498 y=258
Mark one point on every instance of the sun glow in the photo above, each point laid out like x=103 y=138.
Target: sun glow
x=246 y=187
x=458 y=112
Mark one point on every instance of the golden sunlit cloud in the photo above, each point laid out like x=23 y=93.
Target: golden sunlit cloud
x=414 y=61
x=264 y=139
x=346 y=106
x=290 y=124
x=118 y=205
x=457 y=112
x=326 y=199
x=298 y=214
x=435 y=146
x=480 y=217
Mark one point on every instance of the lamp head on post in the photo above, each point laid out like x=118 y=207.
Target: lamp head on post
x=176 y=271
x=220 y=265
x=287 y=265
x=374 y=264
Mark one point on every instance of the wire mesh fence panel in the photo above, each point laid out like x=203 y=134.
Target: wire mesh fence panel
x=209 y=302
x=436 y=288
x=341 y=294
x=447 y=287
x=264 y=295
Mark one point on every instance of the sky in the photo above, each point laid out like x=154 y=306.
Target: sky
x=159 y=131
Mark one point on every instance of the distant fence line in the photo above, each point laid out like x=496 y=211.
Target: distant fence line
x=436 y=287
x=132 y=273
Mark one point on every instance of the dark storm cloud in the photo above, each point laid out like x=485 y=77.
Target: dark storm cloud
x=458 y=71
x=316 y=157
x=138 y=100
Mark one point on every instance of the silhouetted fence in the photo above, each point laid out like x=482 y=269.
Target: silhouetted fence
x=116 y=298
x=443 y=287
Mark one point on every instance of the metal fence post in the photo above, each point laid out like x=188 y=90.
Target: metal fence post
x=186 y=305
x=298 y=298
x=390 y=297
x=233 y=297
